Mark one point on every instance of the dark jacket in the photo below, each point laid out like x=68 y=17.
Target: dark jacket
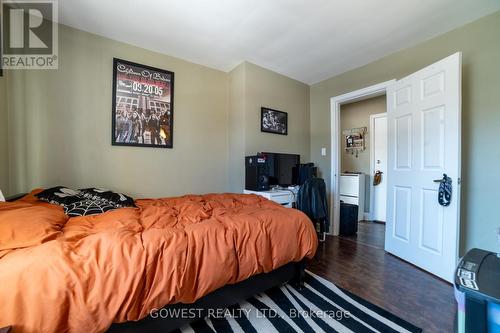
x=311 y=199
x=306 y=172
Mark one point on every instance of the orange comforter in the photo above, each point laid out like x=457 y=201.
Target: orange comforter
x=60 y=274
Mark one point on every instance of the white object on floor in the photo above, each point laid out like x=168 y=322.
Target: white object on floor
x=285 y=198
x=352 y=191
x=423 y=122
x=2 y=198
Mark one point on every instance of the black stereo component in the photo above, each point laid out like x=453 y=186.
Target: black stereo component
x=268 y=169
x=257 y=173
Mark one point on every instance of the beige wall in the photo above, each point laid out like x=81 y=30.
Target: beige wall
x=275 y=91
x=236 y=131
x=355 y=115
x=4 y=151
x=481 y=117
x=251 y=88
x=60 y=124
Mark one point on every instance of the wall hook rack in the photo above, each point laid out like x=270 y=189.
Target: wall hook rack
x=354 y=139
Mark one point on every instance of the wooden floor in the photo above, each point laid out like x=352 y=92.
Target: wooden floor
x=369 y=233
x=364 y=268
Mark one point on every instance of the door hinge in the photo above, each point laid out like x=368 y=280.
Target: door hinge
x=459 y=180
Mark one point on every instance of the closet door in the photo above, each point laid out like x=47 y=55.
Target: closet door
x=378 y=155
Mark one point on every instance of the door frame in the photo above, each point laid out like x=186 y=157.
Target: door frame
x=372 y=157
x=335 y=104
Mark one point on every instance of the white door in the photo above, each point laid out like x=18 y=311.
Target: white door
x=423 y=120
x=378 y=136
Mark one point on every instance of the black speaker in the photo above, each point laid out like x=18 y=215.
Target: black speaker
x=263 y=183
x=256 y=173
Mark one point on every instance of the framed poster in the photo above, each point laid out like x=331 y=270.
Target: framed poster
x=143 y=105
x=273 y=121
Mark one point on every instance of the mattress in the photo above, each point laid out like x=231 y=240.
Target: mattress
x=81 y=274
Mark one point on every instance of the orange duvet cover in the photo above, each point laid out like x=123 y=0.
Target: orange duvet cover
x=60 y=274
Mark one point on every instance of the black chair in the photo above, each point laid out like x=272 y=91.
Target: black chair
x=311 y=200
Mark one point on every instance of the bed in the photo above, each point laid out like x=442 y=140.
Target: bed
x=109 y=271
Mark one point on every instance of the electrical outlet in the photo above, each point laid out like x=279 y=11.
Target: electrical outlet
x=323 y=151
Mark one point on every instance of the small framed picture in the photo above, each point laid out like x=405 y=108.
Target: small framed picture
x=273 y=121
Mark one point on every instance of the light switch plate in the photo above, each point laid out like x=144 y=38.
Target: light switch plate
x=323 y=151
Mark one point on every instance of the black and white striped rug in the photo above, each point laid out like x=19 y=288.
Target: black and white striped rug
x=319 y=307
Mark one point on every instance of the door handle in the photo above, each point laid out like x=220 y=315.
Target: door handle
x=438 y=181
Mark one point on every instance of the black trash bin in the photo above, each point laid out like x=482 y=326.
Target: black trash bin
x=348 y=219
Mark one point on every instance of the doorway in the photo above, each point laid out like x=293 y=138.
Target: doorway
x=337 y=144
x=363 y=153
x=424 y=159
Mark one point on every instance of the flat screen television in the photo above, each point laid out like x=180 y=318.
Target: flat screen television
x=282 y=168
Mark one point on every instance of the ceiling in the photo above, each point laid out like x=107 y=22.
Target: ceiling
x=308 y=40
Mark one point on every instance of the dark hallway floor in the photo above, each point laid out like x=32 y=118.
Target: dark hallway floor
x=369 y=233
x=365 y=269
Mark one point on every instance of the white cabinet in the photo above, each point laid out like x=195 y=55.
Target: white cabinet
x=352 y=191
x=283 y=197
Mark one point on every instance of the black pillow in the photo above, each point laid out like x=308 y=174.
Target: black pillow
x=117 y=199
x=60 y=195
x=88 y=207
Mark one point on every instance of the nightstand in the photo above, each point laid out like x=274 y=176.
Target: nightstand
x=286 y=198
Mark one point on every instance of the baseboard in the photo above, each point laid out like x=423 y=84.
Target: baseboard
x=366 y=216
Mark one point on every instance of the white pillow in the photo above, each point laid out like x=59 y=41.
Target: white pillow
x=2 y=199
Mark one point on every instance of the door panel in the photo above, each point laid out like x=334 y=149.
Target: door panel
x=431 y=222
x=378 y=143
x=433 y=138
x=434 y=84
x=403 y=127
x=402 y=96
x=423 y=143
x=402 y=213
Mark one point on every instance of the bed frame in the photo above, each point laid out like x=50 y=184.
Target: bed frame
x=221 y=298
